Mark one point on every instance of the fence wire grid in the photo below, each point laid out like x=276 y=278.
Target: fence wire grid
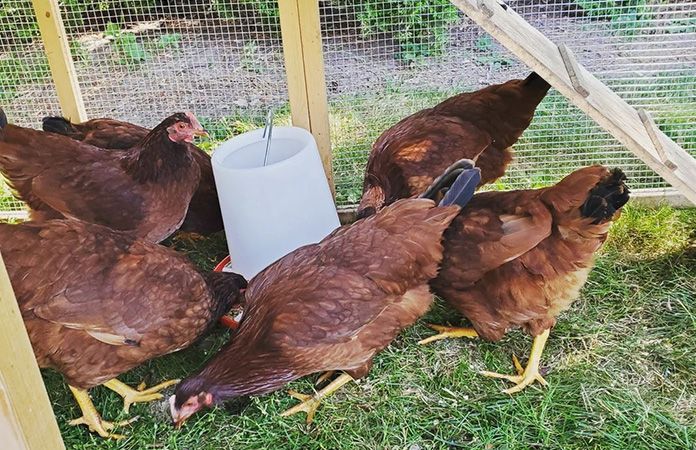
x=140 y=60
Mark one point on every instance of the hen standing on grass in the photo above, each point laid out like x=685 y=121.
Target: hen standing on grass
x=203 y=216
x=483 y=124
x=328 y=306
x=144 y=190
x=97 y=303
x=520 y=258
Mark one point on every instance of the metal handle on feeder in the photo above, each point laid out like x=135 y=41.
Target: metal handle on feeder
x=267 y=132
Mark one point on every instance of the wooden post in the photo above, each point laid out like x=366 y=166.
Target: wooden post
x=59 y=59
x=304 y=67
x=26 y=418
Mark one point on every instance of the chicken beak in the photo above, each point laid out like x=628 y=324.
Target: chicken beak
x=198 y=129
x=201 y=133
x=178 y=417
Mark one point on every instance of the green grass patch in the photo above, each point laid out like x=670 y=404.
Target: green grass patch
x=620 y=366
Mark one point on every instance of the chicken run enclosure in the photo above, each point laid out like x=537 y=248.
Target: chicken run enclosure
x=347 y=71
x=138 y=60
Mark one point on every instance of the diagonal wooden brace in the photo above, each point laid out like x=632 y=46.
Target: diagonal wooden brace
x=653 y=132
x=573 y=69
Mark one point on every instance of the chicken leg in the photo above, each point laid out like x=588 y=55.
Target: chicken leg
x=91 y=417
x=131 y=395
x=531 y=372
x=310 y=403
x=324 y=377
x=188 y=237
x=448 y=332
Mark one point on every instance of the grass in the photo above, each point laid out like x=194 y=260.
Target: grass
x=620 y=366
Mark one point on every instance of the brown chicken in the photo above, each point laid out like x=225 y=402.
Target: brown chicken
x=203 y=216
x=519 y=258
x=327 y=306
x=97 y=302
x=481 y=125
x=144 y=190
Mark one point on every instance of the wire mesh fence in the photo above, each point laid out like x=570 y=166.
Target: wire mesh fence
x=25 y=79
x=386 y=59
x=140 y=60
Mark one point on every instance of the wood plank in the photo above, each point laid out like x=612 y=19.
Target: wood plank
x=571 y=65
x=660 y=196
x=26 y=418
x=59 y=59
x=313 y=55
x=653 y=130
x=294 y=66
x=304 y=67
x=602 y=104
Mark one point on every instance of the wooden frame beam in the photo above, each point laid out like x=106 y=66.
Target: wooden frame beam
x=59 y=59
x=304 y=68
x=26 y=418
x=558 y=66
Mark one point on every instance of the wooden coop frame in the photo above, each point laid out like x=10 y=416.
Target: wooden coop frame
x=26 y=416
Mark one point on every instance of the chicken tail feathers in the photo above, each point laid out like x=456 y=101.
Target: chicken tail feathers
x=57 y=124
x=607 y=197
x=463 y=188
x=458 y=182
x=447 y=178
x=227 y=291
x=534 y=80
x=3 y=119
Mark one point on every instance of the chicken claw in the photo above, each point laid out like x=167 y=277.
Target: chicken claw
x=445 y=332
x=91 y=417
x=529 y=374
x=131 y=395
x=310 y=403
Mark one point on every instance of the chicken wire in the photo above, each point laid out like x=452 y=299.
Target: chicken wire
x=387 y=59
x=140 y=60
x=25 y=79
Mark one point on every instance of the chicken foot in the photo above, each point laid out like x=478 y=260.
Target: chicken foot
x=131 y=395
x=92 y=418
x=324 y=377
x=310 y=403
x=445 y=332
x=530 y=373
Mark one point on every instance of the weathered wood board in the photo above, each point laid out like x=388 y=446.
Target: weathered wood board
x=59 y=59
x=26 y=418
x=304 y=66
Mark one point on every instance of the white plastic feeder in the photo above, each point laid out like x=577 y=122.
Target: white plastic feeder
x=271 y=210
